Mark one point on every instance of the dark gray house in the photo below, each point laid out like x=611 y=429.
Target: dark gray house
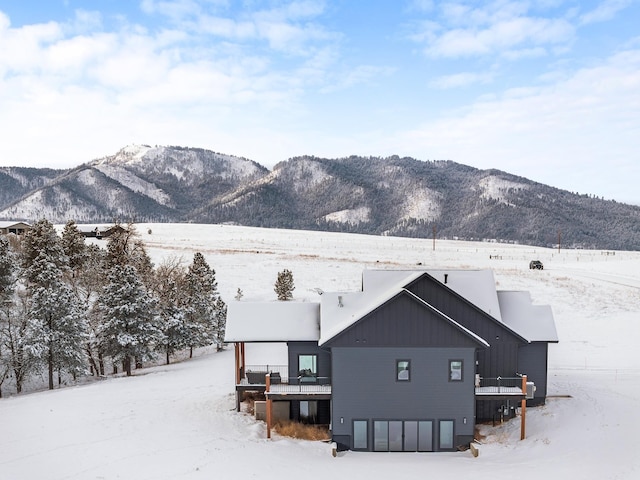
x=410 y=363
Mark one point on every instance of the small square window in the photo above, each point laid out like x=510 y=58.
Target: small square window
x=403 y=370
x=455 y=370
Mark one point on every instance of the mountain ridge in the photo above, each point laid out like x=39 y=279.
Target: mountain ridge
x=392 y=195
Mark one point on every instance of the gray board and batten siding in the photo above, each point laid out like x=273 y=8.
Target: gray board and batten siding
x=323 y=377
x=500 y=359
x=295 y=349
x=366 y=388
x=364 y=379
x=532 y=359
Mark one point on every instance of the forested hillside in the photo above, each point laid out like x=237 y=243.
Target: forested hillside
x=371 y=195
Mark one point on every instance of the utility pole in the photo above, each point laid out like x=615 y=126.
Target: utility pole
x=559 y=238
x=434 y=237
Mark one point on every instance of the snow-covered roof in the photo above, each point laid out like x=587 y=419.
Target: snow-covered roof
x=477 y=286
x=339 y=310
x=9 y=223
x=533 y=322
x=272 y=321
x=311 y=321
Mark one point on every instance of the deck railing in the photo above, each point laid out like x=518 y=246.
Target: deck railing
x=498 y=385
x=255 y=375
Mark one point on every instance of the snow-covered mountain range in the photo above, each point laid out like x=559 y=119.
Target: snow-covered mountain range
x=372 y=195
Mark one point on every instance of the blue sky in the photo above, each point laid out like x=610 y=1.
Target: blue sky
x=548 y=89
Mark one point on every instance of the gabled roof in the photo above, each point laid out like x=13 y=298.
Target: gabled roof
x=311 y=321
x=340 y=311
x=533 y=322
x=9 y=224
x=476 y=286
x=430 y=312
x=272 y=321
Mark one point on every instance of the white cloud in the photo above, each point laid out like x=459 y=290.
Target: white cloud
x=461 y=80
x=606 y=10
x=584 y=123
x=500 y=36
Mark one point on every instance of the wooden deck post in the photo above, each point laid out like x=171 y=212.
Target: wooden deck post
x=237 y=356
x=266 y=391
x=523 y=408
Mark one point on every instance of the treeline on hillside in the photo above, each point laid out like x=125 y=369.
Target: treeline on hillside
x=68 y=309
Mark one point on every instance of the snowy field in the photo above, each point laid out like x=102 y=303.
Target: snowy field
x=179 y=421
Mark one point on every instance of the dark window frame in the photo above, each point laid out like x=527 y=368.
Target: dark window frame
x=451 y=362
x=408 y=370
x=313 y=378
x=453 y=435
x=353 y=434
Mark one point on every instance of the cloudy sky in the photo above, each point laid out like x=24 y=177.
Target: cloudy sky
x=546 y=89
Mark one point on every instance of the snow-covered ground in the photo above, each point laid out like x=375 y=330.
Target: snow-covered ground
x=179 y=421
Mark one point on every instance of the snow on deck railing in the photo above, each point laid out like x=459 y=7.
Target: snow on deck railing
x=498 y=385
x=318 y=388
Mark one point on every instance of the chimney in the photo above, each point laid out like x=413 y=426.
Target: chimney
x=446 y=278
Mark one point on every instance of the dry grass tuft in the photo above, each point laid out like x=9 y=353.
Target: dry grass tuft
x=302 y=431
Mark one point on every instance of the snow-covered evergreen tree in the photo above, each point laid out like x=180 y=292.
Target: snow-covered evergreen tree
x=88 y=283
x=177 y=332
x=129 y=330
x=219 y=323
x=7 y=283
x=125 y=248
x=284 y=285
x=42 y=239
x=7 y=270
x=73 y=245
x=56 y=331
x=206 y=305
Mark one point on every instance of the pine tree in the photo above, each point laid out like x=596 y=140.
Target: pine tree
x=89 y=282
x=284 y=285
x=129 y=330
x=219 y=323
x=7 y=284
x=206 y=320
x=173 y=309
x=42 y=239
x=7 y=270
x=56 y=330
x=73 y=245
x=125 y=248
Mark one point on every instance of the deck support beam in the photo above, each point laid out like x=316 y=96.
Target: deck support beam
x=269 y=402
x=523 y=408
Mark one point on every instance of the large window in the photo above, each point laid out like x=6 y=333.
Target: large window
x=446 y=434
x=307 y=368
x=360 y=435
x=403 y=370
x=455 y=370
x=403 y=436
x=425 y=436
x=381 y=436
